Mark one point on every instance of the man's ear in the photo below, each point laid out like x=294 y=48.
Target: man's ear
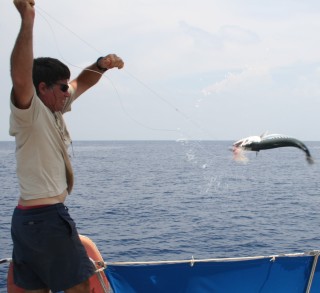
x=42 y=88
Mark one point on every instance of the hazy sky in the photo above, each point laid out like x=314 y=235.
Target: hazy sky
x=199 y=69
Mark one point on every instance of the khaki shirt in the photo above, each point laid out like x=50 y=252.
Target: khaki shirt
x=43 y=165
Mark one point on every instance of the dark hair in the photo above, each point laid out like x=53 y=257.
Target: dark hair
x=49 y=71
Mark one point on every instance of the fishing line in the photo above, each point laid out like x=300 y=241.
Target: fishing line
x=176 y=109
x=65 y=27
x=87 y=69
x=212 y=179
x=166 y=102
x=102 y=75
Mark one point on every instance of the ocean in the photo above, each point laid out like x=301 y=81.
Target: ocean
x=171 y=200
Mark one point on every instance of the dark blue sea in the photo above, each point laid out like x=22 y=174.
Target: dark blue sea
x=171 y=200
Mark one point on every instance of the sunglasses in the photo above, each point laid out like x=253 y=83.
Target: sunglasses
x=63 y=87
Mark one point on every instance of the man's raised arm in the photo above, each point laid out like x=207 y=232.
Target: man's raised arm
x=92 y=74
x=22 y=56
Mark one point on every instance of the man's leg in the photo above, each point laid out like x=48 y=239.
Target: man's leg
x=37 y=291
x=84 y=287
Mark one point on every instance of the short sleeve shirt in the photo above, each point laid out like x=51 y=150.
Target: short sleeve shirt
x=41 y=167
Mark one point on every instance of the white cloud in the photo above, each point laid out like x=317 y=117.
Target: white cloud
x=237 y=34
x=249 y=78
x=202 y=38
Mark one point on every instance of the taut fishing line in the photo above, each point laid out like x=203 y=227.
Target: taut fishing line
x=214 y=182
x=102 y=75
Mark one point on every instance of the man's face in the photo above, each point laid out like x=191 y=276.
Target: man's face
x=54 y=96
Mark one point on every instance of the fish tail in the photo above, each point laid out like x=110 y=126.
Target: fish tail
x=309 y=159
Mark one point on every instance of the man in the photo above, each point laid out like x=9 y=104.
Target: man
x=47 y=251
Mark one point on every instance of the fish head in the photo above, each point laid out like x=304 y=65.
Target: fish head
x=246 y=141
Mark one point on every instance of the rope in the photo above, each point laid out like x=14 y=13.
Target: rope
x=192 y=261
x=100 y=267
x=314 y=265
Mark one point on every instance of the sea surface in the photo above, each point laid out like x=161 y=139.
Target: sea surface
x=171 y=200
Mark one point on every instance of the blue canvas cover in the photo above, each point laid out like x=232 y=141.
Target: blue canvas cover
x=279 y=275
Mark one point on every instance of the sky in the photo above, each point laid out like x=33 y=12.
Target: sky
x=194 y=69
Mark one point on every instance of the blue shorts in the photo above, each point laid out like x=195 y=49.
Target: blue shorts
x=47 y=251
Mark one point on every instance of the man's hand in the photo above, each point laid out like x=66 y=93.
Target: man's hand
x=111 y=61
x=25 y=7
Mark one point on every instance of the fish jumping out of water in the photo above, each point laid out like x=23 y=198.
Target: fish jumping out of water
x=265 y=142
